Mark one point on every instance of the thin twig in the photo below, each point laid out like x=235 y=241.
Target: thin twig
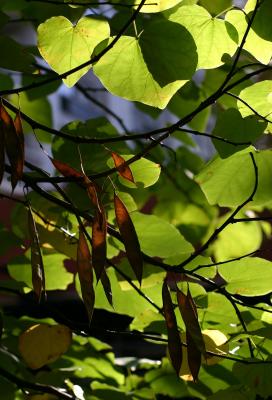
x=38 y=387
x=248 y=106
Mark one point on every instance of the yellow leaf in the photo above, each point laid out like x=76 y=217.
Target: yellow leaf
x=42 y=344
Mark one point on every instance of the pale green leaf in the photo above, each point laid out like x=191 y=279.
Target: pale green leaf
x=237 y=239
x=64 y=46
x=259 y=97
x=56 y=276
x=161 y=5
x=230 y=182
x=145 y=172
x=214 y=37
x=249 y=277
x=127 y=302
x=159 y=238
x=218 y=313
x=152 y=68
x=259 y=40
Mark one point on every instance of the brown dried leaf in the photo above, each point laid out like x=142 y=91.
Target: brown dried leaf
x=129 y=237
x=2 y=152
x=99 y=243
x=188 y=312
x=106 y=286
x=194 y=356
x=19 y=130
x=85 y=273
x=38 y=277
x=13 y=146
x=92 y=189
x=174 y=341
x=123 y=169
x=65 y=169
x=195 y=341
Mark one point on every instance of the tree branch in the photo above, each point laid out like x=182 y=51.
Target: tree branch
x=37 y=387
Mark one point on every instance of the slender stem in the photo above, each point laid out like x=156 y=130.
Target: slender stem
x=38 y=387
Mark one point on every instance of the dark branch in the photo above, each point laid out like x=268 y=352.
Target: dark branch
x=37 y=387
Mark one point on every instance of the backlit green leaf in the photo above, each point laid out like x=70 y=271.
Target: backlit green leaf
x=65 y=46
x=56 y=275
x=214 y=37
x=159 y=238
x=129 y=69
x=259 y=39
x=249 y=277
x=229 y=182
x=144 y=171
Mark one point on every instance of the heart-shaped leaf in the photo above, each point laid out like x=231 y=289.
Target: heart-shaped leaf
x=213 y=37
x=42 y=344
x=149 y=69
x=64 y=46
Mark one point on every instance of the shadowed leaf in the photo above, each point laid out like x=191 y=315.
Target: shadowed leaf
x=38 y=278
x=85 y=273
x=124 y=170
x=174 y=342
x=129 y=237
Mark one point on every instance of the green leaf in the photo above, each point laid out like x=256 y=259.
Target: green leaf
x=169 y=52
x=259 y=97
x=216 y=312
x=104 y=391
x=41 y=91
x=229 y=182
x=145 y=172
x=256 y=376
x=248 y=277
x=259 y=39
x=215 y=7
x=6 y=82
x=56 y=276
x=125 y=301
x=214 y=37
x=3 y=18
x=39 y=110
x=14 y=56
x=237 y=392
x=159 y=238
x=160 y=5
x=237 y=240
x=231 y=126
x=65 y=46
x=94 y=156
x=148 y=320
x=152 y=68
